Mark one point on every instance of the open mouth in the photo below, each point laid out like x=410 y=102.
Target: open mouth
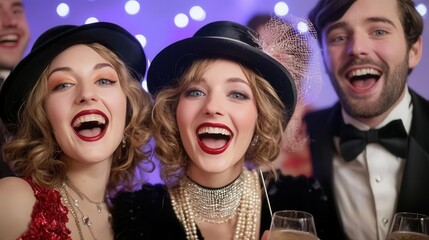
x=9 y=40
x=363 y=79
x=214 y=139
x=90 y=127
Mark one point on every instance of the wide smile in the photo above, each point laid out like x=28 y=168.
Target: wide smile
x=90 y=125
x=363 y=80
x=9 y=40
x=214 y=138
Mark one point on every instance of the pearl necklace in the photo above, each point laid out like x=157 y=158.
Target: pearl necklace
x=246 y=186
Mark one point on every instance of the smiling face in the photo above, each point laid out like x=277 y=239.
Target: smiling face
x=14 y=33
x=86 y=105
x=367 y=58
x=216 y=117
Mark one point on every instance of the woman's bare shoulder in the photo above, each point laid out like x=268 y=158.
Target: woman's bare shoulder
x=16 y=202
x=17 y=183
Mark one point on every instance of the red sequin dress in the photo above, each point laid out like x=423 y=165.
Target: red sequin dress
x=49 y=216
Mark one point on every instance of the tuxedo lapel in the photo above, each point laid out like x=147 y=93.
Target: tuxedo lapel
x=322 y=126
x=321 y=129
x=414 y=196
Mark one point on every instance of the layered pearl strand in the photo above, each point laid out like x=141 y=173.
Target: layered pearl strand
x=246 y=212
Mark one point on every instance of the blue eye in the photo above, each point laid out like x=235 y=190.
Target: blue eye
x=338 y=39
x=379 y=32
x=239 y=95
x=194 y=93
x=18 y=11
x=105 y=82
x=62 y=86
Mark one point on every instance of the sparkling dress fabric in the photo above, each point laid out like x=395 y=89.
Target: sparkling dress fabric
x=49 y=216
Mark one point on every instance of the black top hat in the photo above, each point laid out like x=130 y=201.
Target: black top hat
x=222 y=39
x=55 y=40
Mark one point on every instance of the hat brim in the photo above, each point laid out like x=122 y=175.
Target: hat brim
x=25 y=75
x=170 y=63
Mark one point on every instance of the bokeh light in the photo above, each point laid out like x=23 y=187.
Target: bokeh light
x=281 y=9
x=63 y=9
x=142 y=39
x=197 y=13
x=144 y=85
x=422 y=9
x=91 y=20
x=181 y=20
x=302 y=27
x=132 y=7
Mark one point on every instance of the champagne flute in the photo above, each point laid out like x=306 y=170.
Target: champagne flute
x=291 y=224
x=406 y=225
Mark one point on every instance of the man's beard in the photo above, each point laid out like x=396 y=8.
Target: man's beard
x=393 y=87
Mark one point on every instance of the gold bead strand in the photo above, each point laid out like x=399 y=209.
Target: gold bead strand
x=255 y=200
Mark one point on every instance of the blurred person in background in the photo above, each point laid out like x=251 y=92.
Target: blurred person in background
x=14 y=36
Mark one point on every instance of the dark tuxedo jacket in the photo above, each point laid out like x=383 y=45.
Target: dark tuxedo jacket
x=414 y=192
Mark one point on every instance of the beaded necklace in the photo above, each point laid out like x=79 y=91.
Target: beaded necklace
x=246 y=187
x=215 y=205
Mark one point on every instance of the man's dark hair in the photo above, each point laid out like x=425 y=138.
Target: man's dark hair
x=328 y=11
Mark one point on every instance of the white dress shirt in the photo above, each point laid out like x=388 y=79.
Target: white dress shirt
x=366 y=188
x=3 y=76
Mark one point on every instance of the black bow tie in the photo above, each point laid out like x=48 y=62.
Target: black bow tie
x=392 y=137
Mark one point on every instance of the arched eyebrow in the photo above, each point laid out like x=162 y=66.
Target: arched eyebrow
x=102 y=65
x=343 y=24
x=381 y=19
x=237 y=80
x=68 y=69
x=18 y=4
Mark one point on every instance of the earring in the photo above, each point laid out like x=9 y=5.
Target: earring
x=124 y=142
x=254 y=140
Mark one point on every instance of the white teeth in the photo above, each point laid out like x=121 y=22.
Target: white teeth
x=364 y=71
x=10 y=37
x=89 y=118
x=214 y=130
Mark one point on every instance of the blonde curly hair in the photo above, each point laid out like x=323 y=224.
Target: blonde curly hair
x=33 y=151
x=169 y=150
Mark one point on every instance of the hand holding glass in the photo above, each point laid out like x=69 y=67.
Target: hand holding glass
x=412 y=226
x=290 y=224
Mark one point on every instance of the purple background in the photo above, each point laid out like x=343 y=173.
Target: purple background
x=155 y=21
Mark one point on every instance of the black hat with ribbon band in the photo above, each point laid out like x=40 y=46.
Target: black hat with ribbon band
x=222 y=39
x=24 y=76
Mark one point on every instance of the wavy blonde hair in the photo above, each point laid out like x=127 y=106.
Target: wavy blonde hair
x=270 y=124
x=34 y=152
